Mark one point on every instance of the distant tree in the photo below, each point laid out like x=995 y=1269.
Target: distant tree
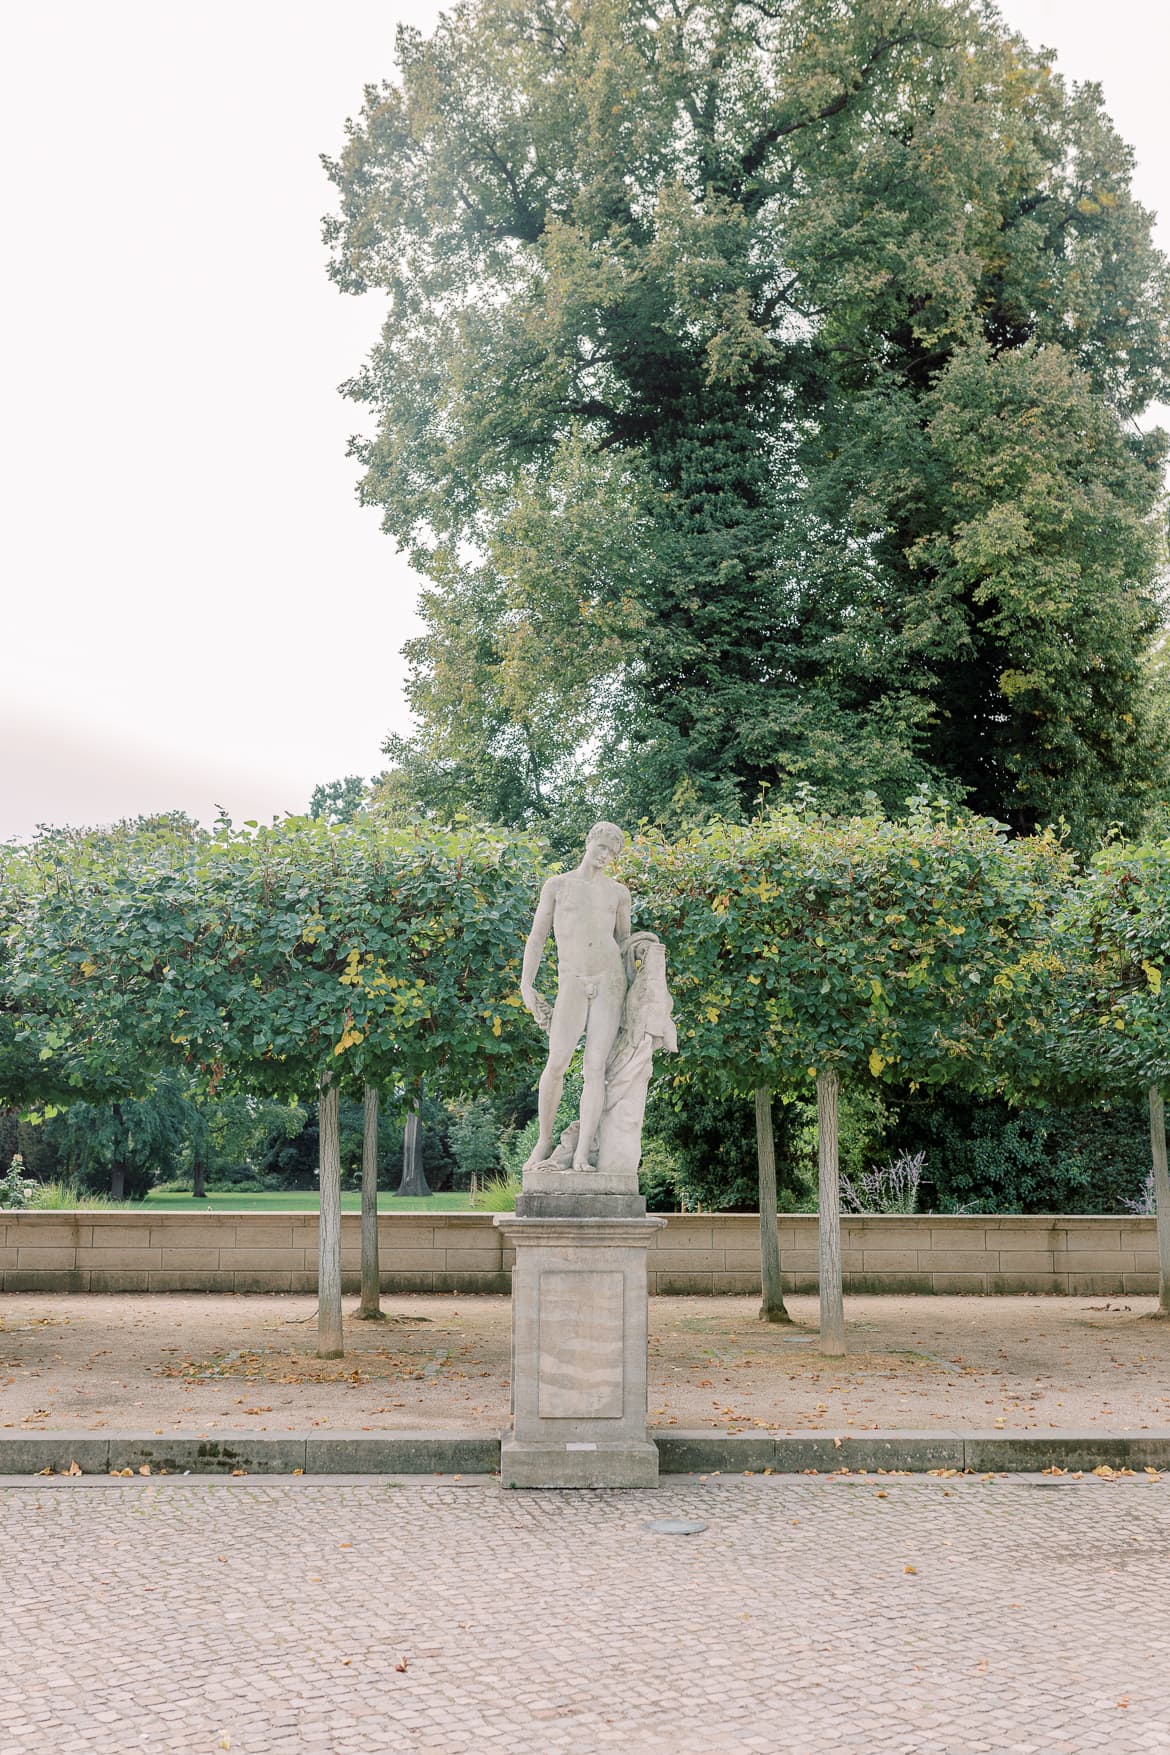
x=414 y=1182
x=241 y=1126
x=475 y=1138
x=338 y=801
x=122 y=1148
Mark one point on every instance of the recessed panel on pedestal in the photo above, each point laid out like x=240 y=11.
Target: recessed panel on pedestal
x=581 y=1347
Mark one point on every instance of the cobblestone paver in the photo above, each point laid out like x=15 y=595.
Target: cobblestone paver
x=298 y=1617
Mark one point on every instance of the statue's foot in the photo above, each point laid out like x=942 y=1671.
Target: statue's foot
x=581 y=1162
x=540 y=1152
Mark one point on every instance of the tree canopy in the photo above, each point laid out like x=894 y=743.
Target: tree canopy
x=1107 y=1023
x=884 y=950
x=261 y=958
x=756 y=394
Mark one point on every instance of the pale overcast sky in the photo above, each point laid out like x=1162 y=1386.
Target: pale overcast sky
x=195 y=611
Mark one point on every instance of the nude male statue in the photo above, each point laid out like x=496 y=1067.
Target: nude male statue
x=588 y=913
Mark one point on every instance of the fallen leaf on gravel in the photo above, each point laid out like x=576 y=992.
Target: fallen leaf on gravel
x=143 y=1469
x=74 y=1468
x=403 y=1665
x=912 y=1569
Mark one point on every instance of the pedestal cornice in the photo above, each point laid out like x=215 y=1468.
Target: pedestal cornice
x=578 y=1233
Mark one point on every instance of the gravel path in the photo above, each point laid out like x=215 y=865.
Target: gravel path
x=193 y=1363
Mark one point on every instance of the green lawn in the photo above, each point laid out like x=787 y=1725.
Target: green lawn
x=244 y=1201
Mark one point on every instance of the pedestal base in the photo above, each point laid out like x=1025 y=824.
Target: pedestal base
x=626 y=1463
x=579 y=1352
x=555 y=1204
x=580 y=1194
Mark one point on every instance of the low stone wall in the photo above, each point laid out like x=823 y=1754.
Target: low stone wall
x=463 y=1252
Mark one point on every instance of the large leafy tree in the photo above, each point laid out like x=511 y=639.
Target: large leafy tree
x=756 y=394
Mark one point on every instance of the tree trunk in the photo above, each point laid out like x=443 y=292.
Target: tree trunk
x=413 y=1180
x=829 y=1206
x=370 y=1309
x=1161 y=1196
x=330 y=1342
x=772 y=1305
x=117 y=1168
x=198 y=1177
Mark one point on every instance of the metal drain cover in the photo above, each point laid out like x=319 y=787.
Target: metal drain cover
x=674 y=1526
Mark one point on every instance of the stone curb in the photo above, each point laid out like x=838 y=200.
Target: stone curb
x=478 y=1453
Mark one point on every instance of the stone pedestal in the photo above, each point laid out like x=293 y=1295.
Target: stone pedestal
x=578 y=1352
x=580 y=1194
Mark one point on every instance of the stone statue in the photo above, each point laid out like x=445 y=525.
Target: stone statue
x=611 y=988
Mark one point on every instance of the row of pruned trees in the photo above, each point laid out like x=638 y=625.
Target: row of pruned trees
x=289 y=961
x=925 y=952
x=306 y=958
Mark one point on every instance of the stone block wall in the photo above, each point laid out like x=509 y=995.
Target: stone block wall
x=986 y=1254
x=144 y=1251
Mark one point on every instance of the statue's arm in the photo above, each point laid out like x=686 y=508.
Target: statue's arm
x=621 y=925
x=533 y=952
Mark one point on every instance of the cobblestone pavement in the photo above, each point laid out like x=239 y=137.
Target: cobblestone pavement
x=345 y=1617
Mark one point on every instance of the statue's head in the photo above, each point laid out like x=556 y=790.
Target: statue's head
x=605 y=838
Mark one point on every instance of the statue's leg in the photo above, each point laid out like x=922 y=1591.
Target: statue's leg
x=568 y=1021
x=605 y=1016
